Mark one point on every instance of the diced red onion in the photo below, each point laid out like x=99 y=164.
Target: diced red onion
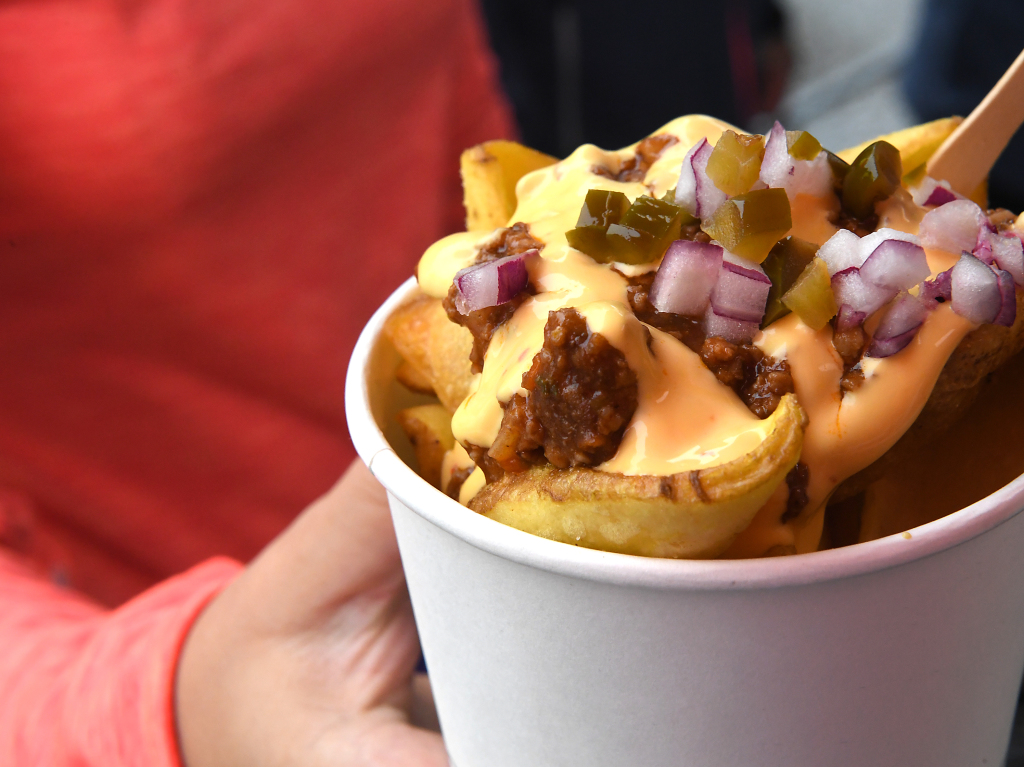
x=899 y=325
x=975 y=290
x=492 y=283
x=741 y=292
x=953 y=227
x=1007 y=299
x=896 y=264
x=709 y=196
x=695 y=191
x=744 y=266
x=940 y=289
x=729 y=328
x=853 y=290
x=686 y=187
x=686 y=277
x=841 y=252
x=932 y=193
x=1003 y=249
x=845 y=250
x=849 y=318
x=940 y=196
x=780 y=170
x=869 y=242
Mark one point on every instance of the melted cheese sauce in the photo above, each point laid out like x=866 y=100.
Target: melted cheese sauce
x=685 y=418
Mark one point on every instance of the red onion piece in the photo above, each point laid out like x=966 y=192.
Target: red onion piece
x=940 y=196
x=932 y=193
x=940 y=289
x=899 y=325
x=845 y=250
x=849 y=318
x=1003 y=249
x=492 y=283
x=853 y=290
x=898 y=264
x=841 y=252
x=954 y=227
x=686 y=277
x=686 y=187
x=729 y=328
x=1007 y=299
x=709 y=196
x=696 y=191
x=975 y=290
x=741 y=292
x=886 y=347
x=780 y=170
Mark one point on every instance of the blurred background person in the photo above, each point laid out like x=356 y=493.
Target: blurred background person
x=962 y=49
x=603 y=73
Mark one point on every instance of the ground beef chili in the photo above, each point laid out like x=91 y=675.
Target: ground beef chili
x=491 y=469
x=482 y=323
x=459 y=476
x=772 y=380
x=850 y=345
x=861 y=227
x=797 y=480
x=512 y=241
x=636 y=167
x=685 y=329
x=580 y=397
x=1001 y=218
x=759 y=381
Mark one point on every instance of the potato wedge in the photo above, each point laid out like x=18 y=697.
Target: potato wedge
x=408 y=329
x=980 y=353
x=448 y=349
x=693 y=514
x=916 y=143
x=490 y=172
x=429 y=428
x=434 y=350
x=413 y=378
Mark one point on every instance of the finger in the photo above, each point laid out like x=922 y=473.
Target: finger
x=382 y=739
x=340 y=547
x=404 y=746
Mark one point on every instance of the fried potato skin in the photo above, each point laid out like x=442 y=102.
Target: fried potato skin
x=408 y=329
x=980 y=353
x=916 y=143
x=490 y=172
x=434 y=350
x=449 y=347
x=693 y=514
x=429 y=429
x=414 y=379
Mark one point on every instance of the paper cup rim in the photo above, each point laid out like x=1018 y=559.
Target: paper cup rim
x=625 y=569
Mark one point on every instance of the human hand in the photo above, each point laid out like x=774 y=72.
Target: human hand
x=308 y=657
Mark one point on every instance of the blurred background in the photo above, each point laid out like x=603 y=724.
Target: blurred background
x=602 y=73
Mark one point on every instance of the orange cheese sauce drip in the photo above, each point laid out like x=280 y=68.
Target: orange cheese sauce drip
x=686 y=419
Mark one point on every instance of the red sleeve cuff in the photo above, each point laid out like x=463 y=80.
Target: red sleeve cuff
x=119 y=705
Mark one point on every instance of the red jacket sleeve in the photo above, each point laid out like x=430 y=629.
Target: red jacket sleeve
x=84 y=686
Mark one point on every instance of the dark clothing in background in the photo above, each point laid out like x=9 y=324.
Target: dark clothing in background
x=962 y=50
x=610 y=73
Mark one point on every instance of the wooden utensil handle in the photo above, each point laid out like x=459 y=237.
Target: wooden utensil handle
x=967 y=156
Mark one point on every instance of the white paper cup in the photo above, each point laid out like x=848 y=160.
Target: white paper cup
x=903 y=651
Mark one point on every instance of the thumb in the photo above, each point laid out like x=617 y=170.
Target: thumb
x=341 y=547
